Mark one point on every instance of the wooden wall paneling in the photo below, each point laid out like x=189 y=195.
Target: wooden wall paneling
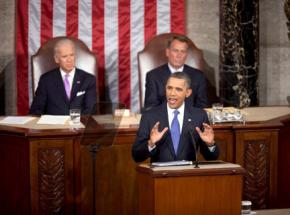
x=146 y=201
x=225 y=140
x=283 y=166
x=14 y=174
x=115 y=178
x=257 y=152
x=77 y=175
x=52 y=176
x=30 y=158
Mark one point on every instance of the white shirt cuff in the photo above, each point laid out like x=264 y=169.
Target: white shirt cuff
x=151 y=148
x=211 y=148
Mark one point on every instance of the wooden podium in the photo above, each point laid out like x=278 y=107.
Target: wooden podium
x=208 y=190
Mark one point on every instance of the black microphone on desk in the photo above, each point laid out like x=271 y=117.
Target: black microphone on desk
x=193 y=143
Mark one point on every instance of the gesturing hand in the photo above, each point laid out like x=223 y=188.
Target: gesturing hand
x=155 y=135
x=207 y=135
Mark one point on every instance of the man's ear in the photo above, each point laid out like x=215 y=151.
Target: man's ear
x=167 y=52
x=56 y=59
x=188 y=92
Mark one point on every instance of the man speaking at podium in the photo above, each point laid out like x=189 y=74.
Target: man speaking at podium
x=173 y=130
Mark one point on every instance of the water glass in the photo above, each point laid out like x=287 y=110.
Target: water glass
x=246 y=207
x=75 y=116
x=217 y=109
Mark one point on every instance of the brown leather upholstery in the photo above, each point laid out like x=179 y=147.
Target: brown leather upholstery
x=43 y=60
x=153 y=55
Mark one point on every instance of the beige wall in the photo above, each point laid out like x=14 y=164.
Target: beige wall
x=274 y=72
x=7 y=56
x=202 y=18
x=274 y=76
x=202 y=26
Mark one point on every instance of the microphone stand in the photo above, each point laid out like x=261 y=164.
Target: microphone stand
x=195 y=150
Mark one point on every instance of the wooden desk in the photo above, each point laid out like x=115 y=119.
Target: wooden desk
x=210 y=189
x=51 y=170
x=273 y=212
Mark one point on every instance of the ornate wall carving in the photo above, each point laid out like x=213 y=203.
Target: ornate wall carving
x=239 y=50
x=256 y=180
x=51 y=181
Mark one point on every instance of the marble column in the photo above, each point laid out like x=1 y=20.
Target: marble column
x=287 y=12
x=239 y=51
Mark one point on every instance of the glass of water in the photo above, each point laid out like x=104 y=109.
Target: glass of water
x=217 y=109
x=75 y=116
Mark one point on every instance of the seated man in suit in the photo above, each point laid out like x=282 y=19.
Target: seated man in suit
x=66 y=87
x=176 y=53
x=165 y=132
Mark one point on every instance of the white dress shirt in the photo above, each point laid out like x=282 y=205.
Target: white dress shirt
x=173 y=70
x=180 y=118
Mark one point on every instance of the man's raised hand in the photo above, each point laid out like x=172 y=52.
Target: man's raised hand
x=156 y=135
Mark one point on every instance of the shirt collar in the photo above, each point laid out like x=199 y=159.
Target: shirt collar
x=71 y=73
x=172 y=69
x=180 y=109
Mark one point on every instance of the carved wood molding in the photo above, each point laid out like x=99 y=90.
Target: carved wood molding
x=51 y=176
x=256 y=180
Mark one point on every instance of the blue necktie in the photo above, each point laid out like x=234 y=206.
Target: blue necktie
x=175 y=131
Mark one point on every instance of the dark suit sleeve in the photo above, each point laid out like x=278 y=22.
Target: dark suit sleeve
x=151 y=92
x=204 y=150
x=90 y=97
x=140 y=151
x=201 y=100
x=38 y=106
x=207 y=154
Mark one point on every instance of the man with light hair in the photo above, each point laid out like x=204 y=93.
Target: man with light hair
x=176 y=53
x=65 y=87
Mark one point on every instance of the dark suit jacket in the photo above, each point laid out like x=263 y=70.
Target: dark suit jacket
x=50 y=97
x=164 y=151
x=155 y=87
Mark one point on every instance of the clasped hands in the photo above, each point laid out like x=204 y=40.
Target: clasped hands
x=207 y=135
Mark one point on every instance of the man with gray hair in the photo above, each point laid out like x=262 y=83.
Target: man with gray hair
x=176 y=53
x=66 y=87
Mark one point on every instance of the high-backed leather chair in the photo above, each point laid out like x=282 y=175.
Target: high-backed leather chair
x=43 y=60
x=153 y=55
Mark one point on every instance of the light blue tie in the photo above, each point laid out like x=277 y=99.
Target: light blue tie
x=175 y=131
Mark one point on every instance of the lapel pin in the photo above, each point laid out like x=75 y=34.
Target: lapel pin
x=189 y=120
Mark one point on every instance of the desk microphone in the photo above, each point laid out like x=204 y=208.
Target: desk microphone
x=194 y=144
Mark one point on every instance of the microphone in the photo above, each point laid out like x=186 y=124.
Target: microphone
x=194 y=144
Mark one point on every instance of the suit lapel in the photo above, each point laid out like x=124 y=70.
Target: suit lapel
x=76 y=84
x=165 y=73
x=60 y=85
x=164 y=123
x=168 y=72
x=187 y=121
